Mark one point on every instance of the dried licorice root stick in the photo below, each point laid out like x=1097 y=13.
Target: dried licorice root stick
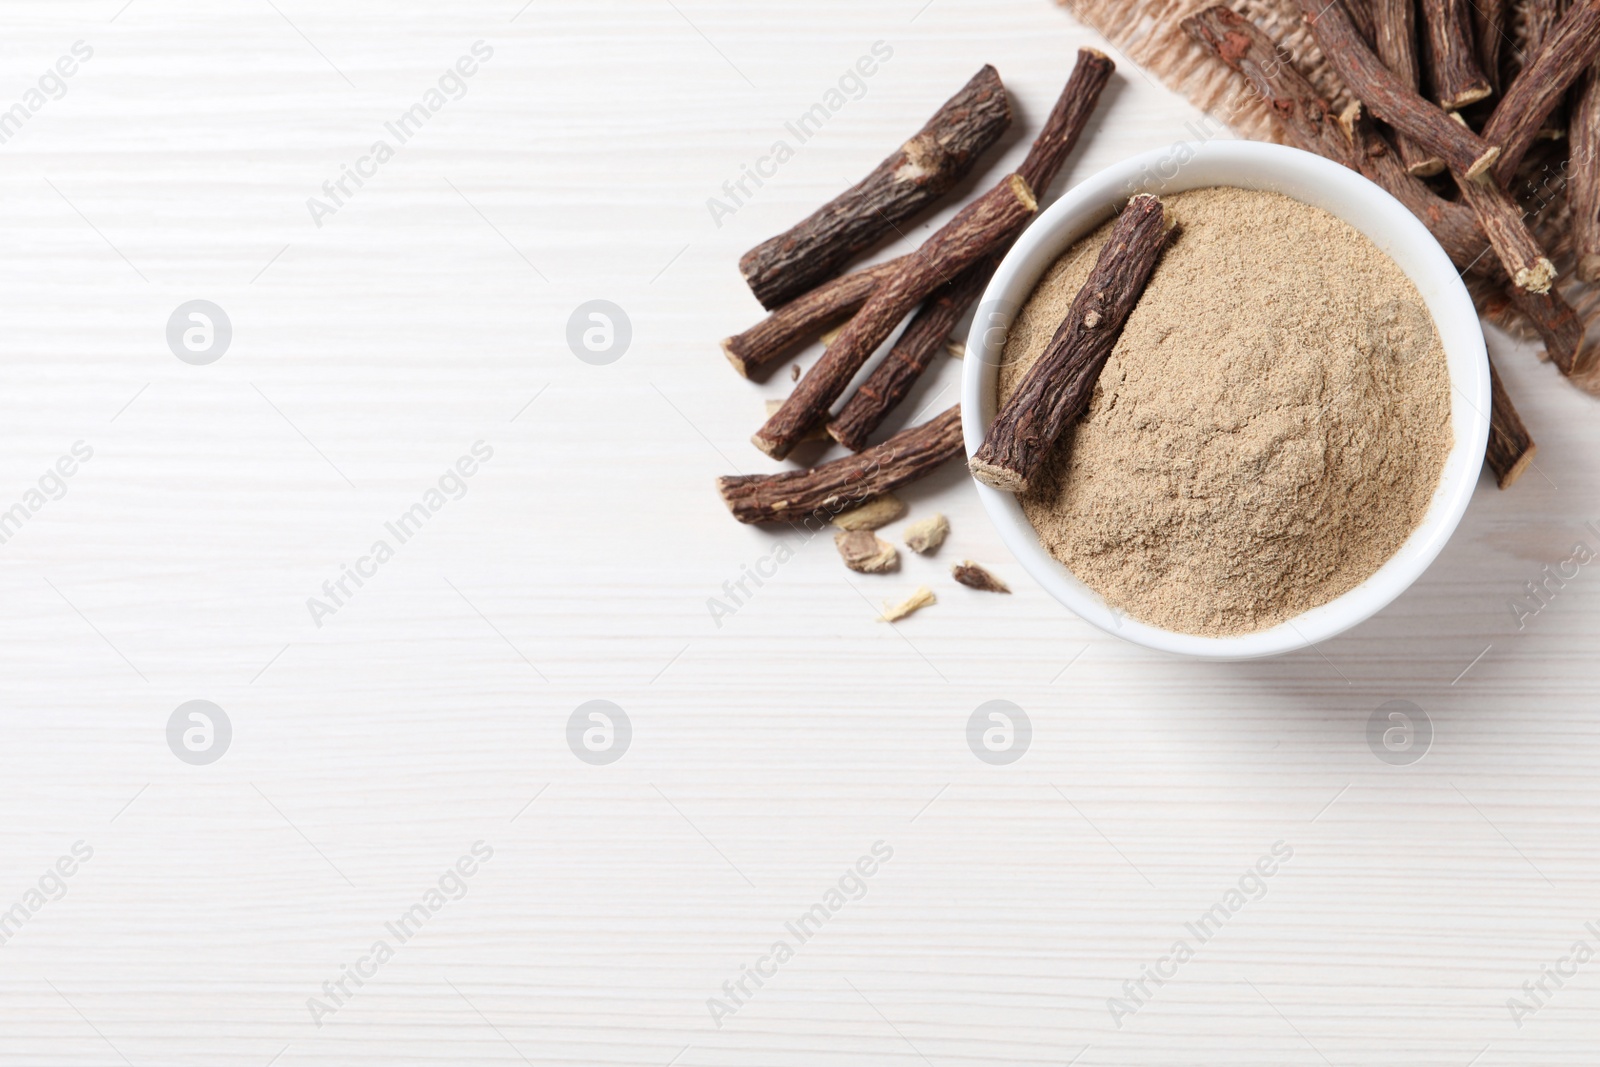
x=1572 y=46
x=824 y=491
x=1557 y=324
x=803 y=318
x=1361 y=16
x=1457 y=78
x=911 y=355
x=1388 y=98
x=1583 y=176
x=1289 y=97
x=922 y=340
x=1489 y=34
x=1539 y=18
x=1067 y=119
x=1516 y=246
x=1510 y=449
x=1395 y=29
x=992 y=219
x=918 y=173
x=1057 y=388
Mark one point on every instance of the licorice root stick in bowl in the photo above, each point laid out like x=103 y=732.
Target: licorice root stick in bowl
x=1057 y=388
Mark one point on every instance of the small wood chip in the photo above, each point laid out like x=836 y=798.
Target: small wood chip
x=879 y=511
x=920 y=599
x=817 y=433
x=973 y=576
x=956 y=349
x=864 y=551
x=926 y=535
x=794 y=376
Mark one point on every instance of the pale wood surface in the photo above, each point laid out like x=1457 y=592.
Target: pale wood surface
x=769 y=753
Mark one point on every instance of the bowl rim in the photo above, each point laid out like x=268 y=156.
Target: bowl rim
x=1391 y=226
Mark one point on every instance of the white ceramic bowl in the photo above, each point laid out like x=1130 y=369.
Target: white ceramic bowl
x=1311 y=180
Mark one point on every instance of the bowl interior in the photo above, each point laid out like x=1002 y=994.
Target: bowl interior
x=1311 y=180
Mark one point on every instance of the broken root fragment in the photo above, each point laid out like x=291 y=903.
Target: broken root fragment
x=864 y=551
x=973 y=576
x=928 y=534
x=920 y=599
x=879 y=511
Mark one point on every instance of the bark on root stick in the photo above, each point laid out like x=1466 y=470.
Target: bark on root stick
x=1057 y=388
x=1570 y=49
x=1558 y=325
x=1395 y=41
x=1289 y=97
x=1503 y=223
x=1510 y=448
x=1360 y=12
x=921 y=341
x=825 y=491
x=865 y=411
x=987 y=222
x=1489 y=34
x=1583 y=177
x=755 y=350
x=1539 y=19
x=1453 y=60
x=918 y=173
x=1513 y=242
x=1388 y=97
x=1067 y=120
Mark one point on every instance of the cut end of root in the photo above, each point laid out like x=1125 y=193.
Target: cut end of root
x=1024 y=192
x=995 y=477
x=1523 y=462
x=1426 y=168
x=1468 y=96
x=838 y=434
x=1479 y=171
x=1537 y=278
x=734 y=358
x=767 y=445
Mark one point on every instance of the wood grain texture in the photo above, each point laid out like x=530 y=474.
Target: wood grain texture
x=413 y=723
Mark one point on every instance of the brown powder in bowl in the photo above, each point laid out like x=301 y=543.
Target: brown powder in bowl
x=1269 y=429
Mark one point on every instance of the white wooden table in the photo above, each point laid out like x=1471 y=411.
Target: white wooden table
x=429 y=709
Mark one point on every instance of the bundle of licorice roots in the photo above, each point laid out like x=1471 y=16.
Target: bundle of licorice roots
x=800 y=277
